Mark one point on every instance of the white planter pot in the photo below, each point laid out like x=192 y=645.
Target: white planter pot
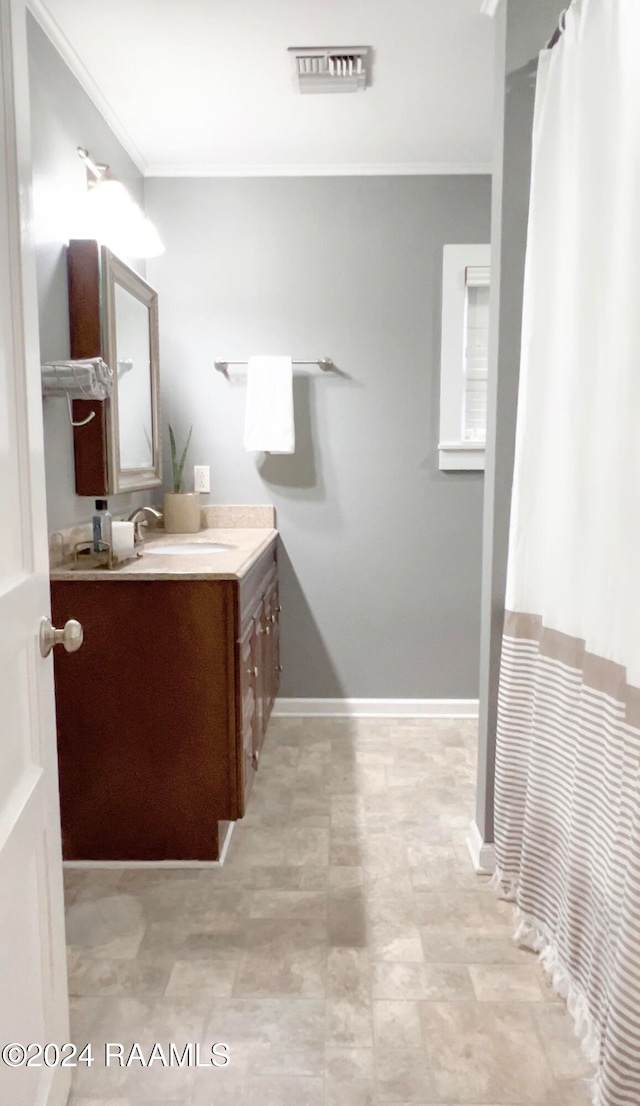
x=182 y=512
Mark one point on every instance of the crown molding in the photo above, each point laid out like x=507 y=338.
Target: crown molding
x=56 y=35
x=383 y=169
x=489 y=7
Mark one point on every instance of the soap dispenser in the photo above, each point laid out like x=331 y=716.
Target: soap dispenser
x=102 y=525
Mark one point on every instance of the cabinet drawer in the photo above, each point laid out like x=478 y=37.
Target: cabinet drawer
x=255 y=584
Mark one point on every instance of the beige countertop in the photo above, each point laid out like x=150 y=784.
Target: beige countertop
x=247 y=545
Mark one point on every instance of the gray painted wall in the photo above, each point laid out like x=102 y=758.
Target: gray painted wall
x=63 y=118
x=522 y=30
x=381 y=551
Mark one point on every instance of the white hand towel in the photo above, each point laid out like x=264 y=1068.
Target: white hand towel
x=269 y=424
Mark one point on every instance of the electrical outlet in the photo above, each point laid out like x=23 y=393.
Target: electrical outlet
x=201 y=478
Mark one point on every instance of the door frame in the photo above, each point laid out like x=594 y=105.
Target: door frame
x=35 y=795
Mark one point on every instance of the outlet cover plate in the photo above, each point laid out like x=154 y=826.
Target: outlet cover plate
x=201 y=478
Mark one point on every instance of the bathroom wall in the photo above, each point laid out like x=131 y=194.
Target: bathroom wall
x=522 y=29
x=381 y=552
x=63 y=118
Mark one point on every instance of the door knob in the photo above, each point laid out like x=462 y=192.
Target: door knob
x=71 y=636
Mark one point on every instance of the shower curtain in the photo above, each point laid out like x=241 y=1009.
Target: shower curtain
x=568 y=743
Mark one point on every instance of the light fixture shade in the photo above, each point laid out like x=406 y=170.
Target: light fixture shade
x=144 y=239
x=116 y=220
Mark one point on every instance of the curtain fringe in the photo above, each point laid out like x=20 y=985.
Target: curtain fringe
x=532 y=935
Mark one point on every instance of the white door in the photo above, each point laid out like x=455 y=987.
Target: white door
x=33 y=988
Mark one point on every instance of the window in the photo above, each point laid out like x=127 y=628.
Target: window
x=465 y=357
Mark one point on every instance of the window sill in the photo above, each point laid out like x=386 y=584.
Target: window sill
x=461 y=456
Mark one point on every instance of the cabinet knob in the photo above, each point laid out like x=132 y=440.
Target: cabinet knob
x=71 y=636
x=274 y=618
x=279 y=668
x=267 y=630
x=253 y=671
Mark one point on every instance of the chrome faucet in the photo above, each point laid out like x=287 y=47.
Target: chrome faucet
x=138 y=520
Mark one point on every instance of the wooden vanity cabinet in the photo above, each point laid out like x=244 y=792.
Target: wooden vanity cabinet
x=258 y=666
x=162 y=713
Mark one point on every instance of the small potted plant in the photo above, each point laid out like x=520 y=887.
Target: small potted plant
x=181 y=509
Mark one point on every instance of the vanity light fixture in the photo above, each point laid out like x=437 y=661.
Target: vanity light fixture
x=113 y=216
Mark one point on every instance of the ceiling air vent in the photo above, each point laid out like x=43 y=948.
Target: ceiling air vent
x=330 y=68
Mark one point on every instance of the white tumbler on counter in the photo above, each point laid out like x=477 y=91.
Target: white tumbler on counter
x=122 y=539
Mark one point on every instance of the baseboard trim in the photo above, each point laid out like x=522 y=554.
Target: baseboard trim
x=147 y=864
x=376 y=708
x=483 y=855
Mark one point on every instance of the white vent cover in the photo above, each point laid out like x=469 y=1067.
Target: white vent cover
x=330 y=68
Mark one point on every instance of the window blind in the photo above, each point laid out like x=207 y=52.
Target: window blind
x=476 y=356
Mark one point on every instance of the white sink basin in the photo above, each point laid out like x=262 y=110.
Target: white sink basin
x=188 y=548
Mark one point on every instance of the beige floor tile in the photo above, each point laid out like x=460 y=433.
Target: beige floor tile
x=404 y=1076
x=388 y=884
x=396 y=1025
x=577 y=1093
x=458 y=946
x=421 y=982
x=276 y=936
x=347 y=922
x=102 y=977
x=348 y=974
x=345 y=852
x=178 y=1018
x=254 y=846
x=346 y=882
x=83 y=1014
x=295 y=972
x=212 y=977
x=563 y=1049
x=104 y=1102
x=546 y=986
x=350 y=1078
x=306 y=845
x=176 y=939
x=481 y=911
x=264 y=877
x=487 y=1052
x=109 y=928
x=287 y=904
x=504 y=983
x=349 y=1023
x=398 y=981
x=274 y=1036
x=140 y=881
x=346 y=952
x=266 y=1090
x=96 y=883
x=400 y=943
x=314 y=877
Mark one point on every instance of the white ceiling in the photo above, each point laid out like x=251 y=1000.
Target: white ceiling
x=205 y=87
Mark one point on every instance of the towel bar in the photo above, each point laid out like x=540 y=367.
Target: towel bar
x=325 y=363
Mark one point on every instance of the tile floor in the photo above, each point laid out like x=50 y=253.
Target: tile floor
x=346 y=953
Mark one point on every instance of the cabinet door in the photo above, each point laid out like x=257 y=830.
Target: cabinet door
x=249 y=722
x=272 y=650
x=261 y=647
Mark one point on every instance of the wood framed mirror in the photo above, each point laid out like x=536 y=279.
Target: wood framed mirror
x=113 y=314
